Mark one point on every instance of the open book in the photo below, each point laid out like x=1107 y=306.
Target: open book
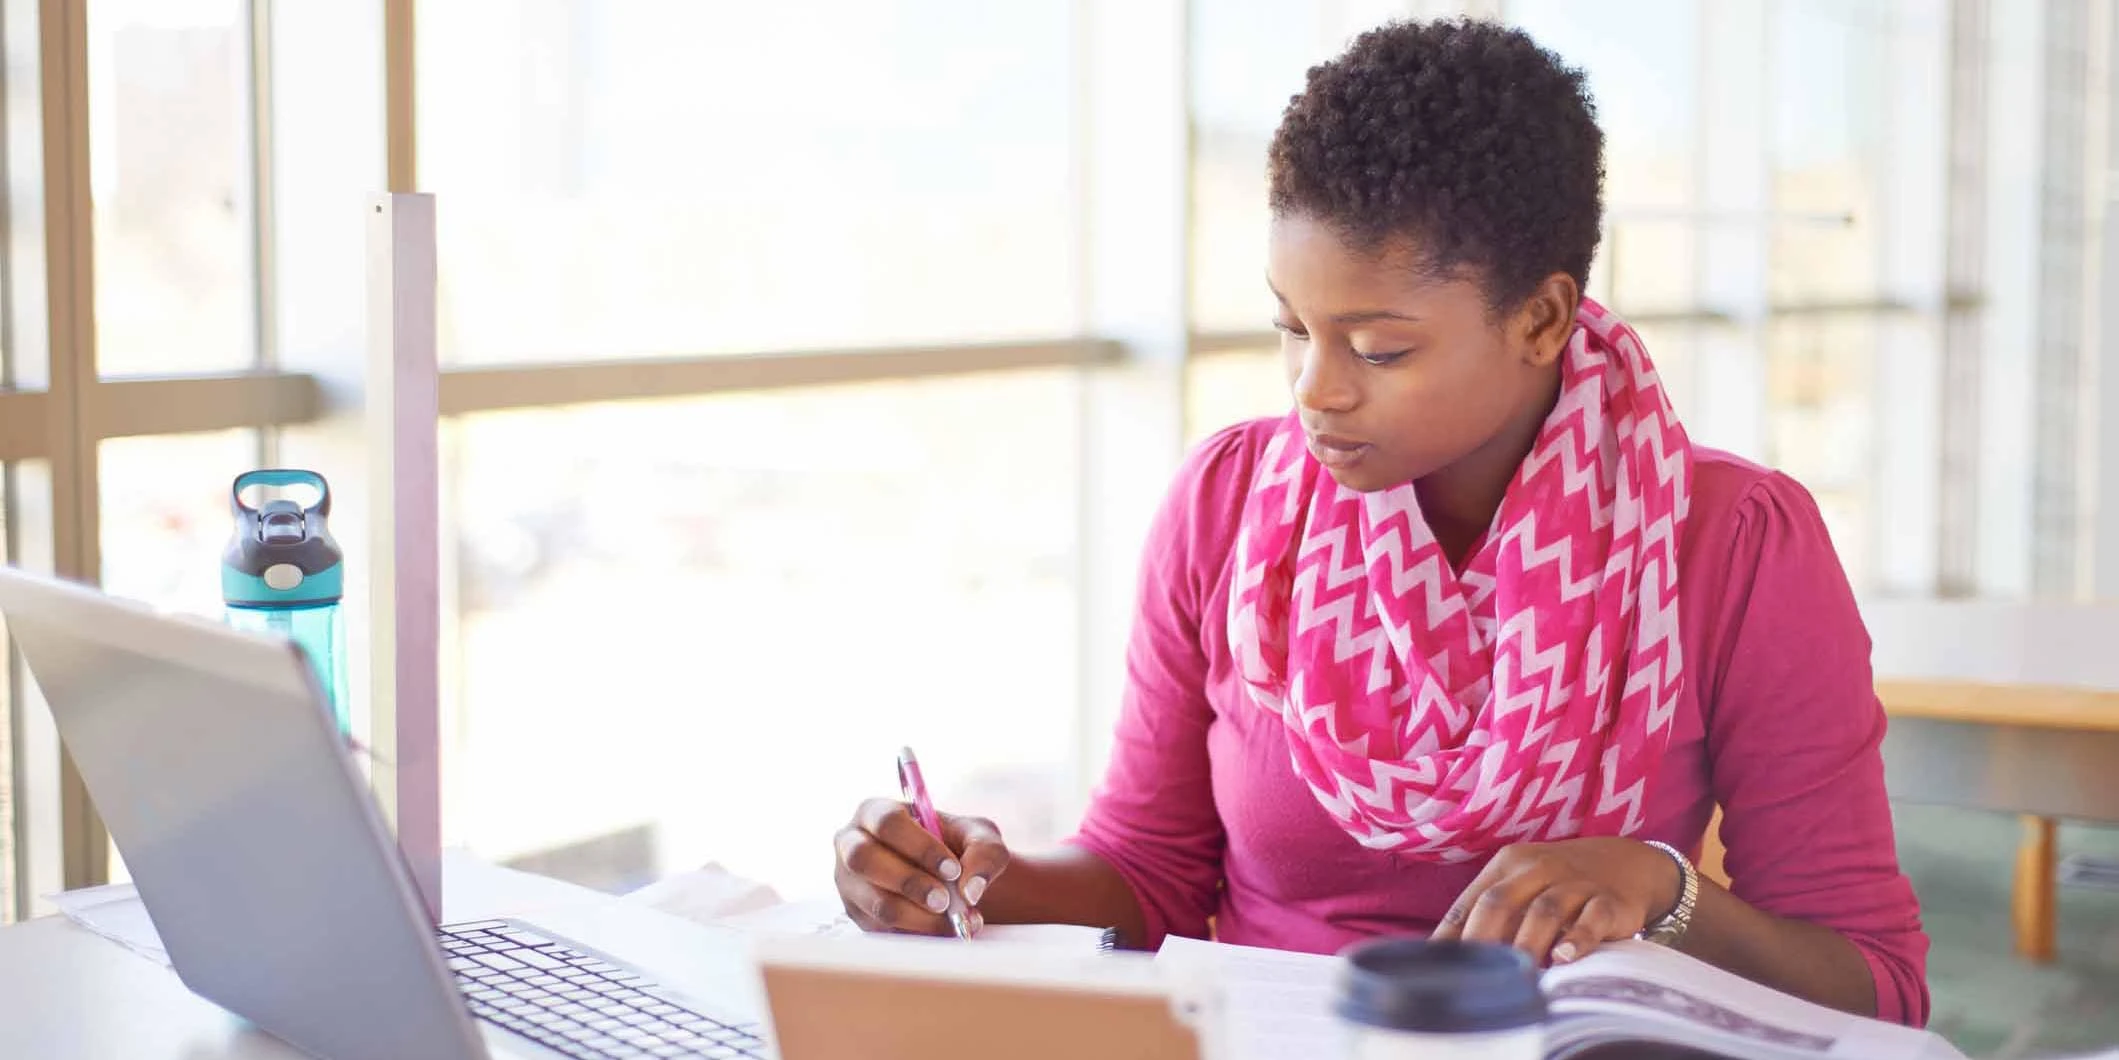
x=1628 y=999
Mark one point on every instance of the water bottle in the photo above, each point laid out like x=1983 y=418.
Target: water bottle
x=284 y=575
x=1421 y=999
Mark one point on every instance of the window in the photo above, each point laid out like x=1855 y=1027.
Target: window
x=629 y=180
x=165 y=521
x=165 y=516
x=169 y=156
x=1818 y=279
x=1853 y=261
x=7 y=717
x=1642 y=61
x=29 y=818
x=1247 y=60
x=701 y=628
x=1232 y=386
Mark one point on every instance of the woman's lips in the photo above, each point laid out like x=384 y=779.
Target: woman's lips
x=1335 y=452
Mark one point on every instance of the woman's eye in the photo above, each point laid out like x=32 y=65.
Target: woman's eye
x=1289 y=330
x=1380 y=358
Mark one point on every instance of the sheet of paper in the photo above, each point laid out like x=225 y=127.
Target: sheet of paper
x=1276 y=1005
x=825 y=917
x=116 y=913
x=705 y=894
x=1650 y=985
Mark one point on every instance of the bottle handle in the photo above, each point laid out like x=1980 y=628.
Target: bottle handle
x=274 y=476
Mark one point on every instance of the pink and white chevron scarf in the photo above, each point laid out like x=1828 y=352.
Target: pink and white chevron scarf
x=1445 y=715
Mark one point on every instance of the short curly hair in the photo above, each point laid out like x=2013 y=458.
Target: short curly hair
x=1465 y=136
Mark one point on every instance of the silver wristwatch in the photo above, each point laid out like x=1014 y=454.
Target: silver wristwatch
x=1667 y=931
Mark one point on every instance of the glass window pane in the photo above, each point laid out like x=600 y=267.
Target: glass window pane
x=656 y=179
x=168 y=156
x=666 y=608
x=1226 y=388
x=22 y=358
x=165 y=521
x=1248 y=58
x=1830 y=251
x=1641 y=59
x=1827 y=101
x=1822 y=419
x=29 y=798
x=165 y=516
x=8 y=883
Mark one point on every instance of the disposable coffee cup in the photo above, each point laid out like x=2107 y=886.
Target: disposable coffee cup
x=1423 y=999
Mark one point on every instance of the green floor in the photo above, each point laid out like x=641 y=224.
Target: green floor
x=1988 y=1002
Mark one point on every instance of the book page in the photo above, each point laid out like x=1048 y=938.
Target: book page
x=1278 y=1006
x=1648 y=984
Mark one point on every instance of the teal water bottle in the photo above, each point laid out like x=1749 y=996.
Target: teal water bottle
x=284 y=575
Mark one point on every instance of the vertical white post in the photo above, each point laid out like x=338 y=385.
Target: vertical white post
x=404 y=562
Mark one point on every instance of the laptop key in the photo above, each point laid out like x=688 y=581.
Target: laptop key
x=498 y=962
x=536 y=959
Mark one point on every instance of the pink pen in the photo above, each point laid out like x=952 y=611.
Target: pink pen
x=914 y=787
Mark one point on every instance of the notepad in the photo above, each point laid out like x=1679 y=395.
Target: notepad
x=826 y=919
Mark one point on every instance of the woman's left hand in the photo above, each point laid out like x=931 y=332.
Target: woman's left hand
x=1558 y=901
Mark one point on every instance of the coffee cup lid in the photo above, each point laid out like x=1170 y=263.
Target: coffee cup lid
x=1438 y=986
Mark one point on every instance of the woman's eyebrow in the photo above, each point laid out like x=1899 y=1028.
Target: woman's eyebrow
x=1359 y=316
x=1370 y=316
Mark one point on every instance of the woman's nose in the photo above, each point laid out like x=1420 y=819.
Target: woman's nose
x=1323 y=382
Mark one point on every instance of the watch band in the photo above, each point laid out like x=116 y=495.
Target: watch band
x=1670 y=929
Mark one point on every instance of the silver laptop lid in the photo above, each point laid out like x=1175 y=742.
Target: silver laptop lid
x=272 y=880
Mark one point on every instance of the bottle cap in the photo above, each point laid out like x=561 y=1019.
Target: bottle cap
x=281 y=554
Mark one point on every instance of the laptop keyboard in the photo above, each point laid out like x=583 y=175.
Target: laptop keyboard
x=577 y=1004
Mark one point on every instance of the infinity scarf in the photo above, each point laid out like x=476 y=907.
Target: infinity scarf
x=1444 y=715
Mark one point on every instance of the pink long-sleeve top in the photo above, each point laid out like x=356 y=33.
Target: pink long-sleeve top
x=1779 y=724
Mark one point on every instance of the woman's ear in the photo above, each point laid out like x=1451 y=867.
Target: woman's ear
x=1547 y=319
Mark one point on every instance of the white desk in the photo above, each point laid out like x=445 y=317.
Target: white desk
x=66 y=992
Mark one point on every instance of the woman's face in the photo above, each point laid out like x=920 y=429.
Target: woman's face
x=1399 y=373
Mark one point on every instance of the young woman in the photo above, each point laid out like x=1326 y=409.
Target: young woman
x=1450 y=647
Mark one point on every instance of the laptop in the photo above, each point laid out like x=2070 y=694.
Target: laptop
x=271 y=877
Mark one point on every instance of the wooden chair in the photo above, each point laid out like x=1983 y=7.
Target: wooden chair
x=2009 y=707
x=1711 y=851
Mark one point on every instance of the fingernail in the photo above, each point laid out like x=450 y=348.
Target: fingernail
x=937 y=901
x=1563 y=953
x=951 y=870
x=974 y=889
x=978 y=923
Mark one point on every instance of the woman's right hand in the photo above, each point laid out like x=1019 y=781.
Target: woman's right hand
x=892 y=874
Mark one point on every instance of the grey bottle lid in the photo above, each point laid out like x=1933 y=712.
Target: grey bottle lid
x=1438 y=987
